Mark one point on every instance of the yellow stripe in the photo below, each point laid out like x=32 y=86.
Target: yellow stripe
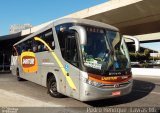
x=71 y=84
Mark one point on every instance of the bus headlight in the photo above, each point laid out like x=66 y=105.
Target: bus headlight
x=91 y=82
x=94 y=83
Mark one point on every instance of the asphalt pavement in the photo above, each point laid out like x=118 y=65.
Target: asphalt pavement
x=145 y=93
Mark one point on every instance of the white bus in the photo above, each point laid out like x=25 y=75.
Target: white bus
x=79 y=58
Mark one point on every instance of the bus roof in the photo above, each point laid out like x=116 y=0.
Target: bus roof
x=85 y=21
x=70 y=20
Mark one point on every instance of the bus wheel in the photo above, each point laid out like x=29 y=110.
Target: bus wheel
x=18 y=77
x=52 y=88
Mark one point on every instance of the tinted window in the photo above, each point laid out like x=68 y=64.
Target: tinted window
x=68 y=44
x=48 y=38
x=36 y=46
x=62 y=32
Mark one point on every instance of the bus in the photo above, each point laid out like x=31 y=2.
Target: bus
x=79 y=58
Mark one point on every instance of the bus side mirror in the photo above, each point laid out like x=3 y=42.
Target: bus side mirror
x=81 y=32
x=136 y=41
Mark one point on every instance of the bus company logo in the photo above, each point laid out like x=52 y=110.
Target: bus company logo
x=29 y=62
x=116 y=85
x=108 y=78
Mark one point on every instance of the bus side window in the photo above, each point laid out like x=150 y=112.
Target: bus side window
x=40 y=47
x=49 y=39
x=22 y=48
x=29 y=43
x=34 y=46
x=62 y=32
x=71 y=52
x=19 y=50
x=67 y=43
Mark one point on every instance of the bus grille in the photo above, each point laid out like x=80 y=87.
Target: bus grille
x=113 y=85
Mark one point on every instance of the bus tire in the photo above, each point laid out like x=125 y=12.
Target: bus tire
x=52 y=88
x=18 y=77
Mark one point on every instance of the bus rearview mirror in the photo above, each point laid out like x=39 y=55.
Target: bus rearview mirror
x=136 y=41
x=81 y=32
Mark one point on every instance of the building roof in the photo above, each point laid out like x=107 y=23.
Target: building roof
x=10 y=36
x=132 y=17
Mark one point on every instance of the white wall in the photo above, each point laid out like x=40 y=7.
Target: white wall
x=146 y=72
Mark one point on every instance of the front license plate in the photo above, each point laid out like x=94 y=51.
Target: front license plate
x=116 y=93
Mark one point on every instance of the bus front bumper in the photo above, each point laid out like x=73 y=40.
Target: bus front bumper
x=89 y=92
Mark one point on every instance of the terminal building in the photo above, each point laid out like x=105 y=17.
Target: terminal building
x=140 y=18
x=19 y=27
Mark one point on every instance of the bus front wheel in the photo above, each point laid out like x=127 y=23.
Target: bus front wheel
x=52 y=88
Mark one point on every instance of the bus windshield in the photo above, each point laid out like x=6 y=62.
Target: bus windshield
x=104 y=50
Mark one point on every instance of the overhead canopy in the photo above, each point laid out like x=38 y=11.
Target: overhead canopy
x=11 y=36
x=132 y=17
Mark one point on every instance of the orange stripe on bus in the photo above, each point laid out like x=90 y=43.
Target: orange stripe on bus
x=109 y=79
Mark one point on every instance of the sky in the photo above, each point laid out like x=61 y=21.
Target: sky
x=37 y=12
x=151 y=45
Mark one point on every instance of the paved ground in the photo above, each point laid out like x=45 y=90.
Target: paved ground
x=146 y=93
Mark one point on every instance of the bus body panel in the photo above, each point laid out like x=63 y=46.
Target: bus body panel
x=89 y=93
x=48 y=64
x=74 y=75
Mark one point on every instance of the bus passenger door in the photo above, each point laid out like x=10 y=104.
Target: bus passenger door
x=72 y=65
